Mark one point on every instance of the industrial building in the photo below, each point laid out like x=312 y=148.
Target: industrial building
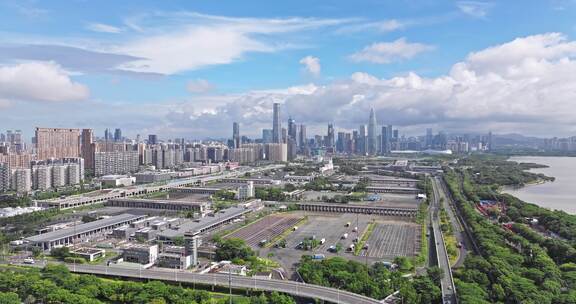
x=173 y=205
x=81 y=233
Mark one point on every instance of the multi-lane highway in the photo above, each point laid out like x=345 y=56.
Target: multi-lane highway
x=447 y=282
x=237 y=282
x=448 y=205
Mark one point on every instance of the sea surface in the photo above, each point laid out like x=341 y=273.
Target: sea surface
x=559 y=194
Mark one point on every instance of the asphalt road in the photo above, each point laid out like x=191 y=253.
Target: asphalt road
x=237 y=282
x=456 y=226
x=447 y=282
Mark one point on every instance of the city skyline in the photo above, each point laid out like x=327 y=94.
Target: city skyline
x=323 y=64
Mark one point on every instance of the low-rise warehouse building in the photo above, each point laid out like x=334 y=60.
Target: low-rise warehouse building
x=174 y=205
x=81 y=233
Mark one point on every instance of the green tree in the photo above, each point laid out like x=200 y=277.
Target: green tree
x=9 y=298
x=233 y=248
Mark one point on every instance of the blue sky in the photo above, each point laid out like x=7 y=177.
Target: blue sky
x=189 y=68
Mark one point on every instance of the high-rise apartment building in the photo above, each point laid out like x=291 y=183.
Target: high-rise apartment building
x=88 y=149
x=276 y=124
x=59 y=176
x=57 y=143
x=117 y=162
x=276 y=152
x=4 y=177
x=41 y=177
x=372 y=136
x=21 y=180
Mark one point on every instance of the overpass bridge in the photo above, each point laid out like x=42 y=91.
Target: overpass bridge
x=364 y=209
x=237 y=282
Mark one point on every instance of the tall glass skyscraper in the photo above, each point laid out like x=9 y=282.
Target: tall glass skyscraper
x=236 y=134
x=372 y=144
x=276 y=125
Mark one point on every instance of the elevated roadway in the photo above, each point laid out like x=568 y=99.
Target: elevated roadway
x=447 y=281
x=236 y=282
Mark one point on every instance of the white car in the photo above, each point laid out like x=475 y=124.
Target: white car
x=29 y=261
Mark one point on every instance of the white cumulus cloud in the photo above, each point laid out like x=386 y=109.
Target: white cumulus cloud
x=387 y=52
x=311 y=64
x=525 y=85
x=39 y=81
x=199 y=86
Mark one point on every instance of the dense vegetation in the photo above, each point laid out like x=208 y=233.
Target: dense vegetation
x=232 y=249
x=491 y=170
x=55 y=284
x=18 y=226
x=270 y=194
x=301 y=170
x=319 y=183
x=376 y=281
x=512 y=267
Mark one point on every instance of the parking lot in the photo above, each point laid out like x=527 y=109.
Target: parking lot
x=266 y=228
x=392 y=239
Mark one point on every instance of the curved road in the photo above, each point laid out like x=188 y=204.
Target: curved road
x=238 y=282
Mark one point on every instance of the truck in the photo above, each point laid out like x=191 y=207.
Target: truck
x=322 y=241
x=318 y=256
x=345 y=236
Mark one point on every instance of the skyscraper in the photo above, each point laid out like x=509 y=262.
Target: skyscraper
x=292 y=130
x=276 y=124
x=117 y=134
x=372 y=145
x=152 y=139
x=267 y=136
x=363 y=140
x=236 y=134
x=57 y=143
x=429 y=138
x=303 y=142
x=330 y=136
x=386 y=139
